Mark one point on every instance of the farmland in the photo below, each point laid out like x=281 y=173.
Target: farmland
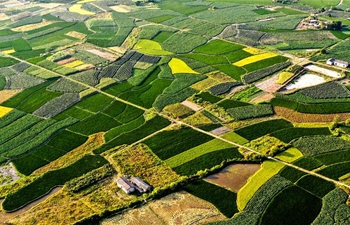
x=228 y=109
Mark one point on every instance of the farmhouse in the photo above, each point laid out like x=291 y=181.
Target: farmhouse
x=337 y=62
x=125 y=185
x=142 y=186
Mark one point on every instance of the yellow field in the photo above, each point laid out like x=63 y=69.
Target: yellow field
x=283 y=77
x=254 y=58
x=179 y=66
x=204 y=84
x=268 y=169
x=150 y=47
x=252 y=50
x=34 y=26
x=9 y=51
x=77 y=9
x=74 y=64
x=76 y=34
x=4 y=111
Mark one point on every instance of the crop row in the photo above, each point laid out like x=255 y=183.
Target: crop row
x=130 y=137
x=289 y=134
x=61 y=143
x=327 y=90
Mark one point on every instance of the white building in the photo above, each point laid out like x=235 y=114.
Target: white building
x=125 y=185
x=337 y=62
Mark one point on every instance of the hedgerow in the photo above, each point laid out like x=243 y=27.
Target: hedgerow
x=223 y=199
x=251 y=111
x=44 y=184
x=254 y=131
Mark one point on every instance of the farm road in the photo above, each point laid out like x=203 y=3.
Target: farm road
x=190 y=126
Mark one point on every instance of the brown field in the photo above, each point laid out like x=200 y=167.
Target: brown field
x=76 y=34
x=178 y=208
x=140 y=161
x=297 y=117
x=84 y=67
x=262 y=98
x=269 y=85
x=94 y=141
x=105 y=55
x=7 y=94
x=65 y=61
x=29 y=27
x=234 y=177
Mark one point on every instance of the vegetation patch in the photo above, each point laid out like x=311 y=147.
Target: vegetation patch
x=296 y=202
x=44 y=184
x=181 y=140
x=289 y=134
x=251 y=111
x=254 y=131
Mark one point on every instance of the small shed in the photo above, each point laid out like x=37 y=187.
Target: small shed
x=141 y=184
x=125 y=185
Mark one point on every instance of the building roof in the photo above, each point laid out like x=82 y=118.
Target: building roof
x=125 y=184
x=141 y=184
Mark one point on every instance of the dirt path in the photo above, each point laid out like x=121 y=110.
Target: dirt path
x=7 y=216
x=340 y=3
x=191 y=105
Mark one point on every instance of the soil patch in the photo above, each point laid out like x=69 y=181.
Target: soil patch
x=234 y=177
x=191 y=105
x=178 y=208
